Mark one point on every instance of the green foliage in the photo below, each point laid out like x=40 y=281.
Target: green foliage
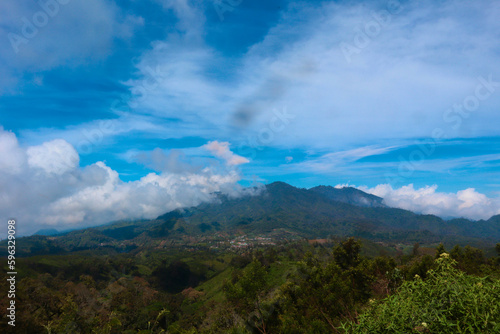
x=346 y=255
x=440 y=250
x=246 y=296
x=294 y=287
x=240 y=261
x=419 y=266
x=321 y=293
x=175 y=277
x=248 y=286
x=448 y=301
x=415 y=250
x=318 y=295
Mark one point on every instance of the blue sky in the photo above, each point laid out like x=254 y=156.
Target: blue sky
x=126 y=109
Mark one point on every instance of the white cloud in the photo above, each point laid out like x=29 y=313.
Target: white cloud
x=148 y=197
x=221 y=150
x=37 y=38
x=56 y=157
x=466 y=203
x=12 y=156
x=334 y=161
x=43 y=186
x=398 y=86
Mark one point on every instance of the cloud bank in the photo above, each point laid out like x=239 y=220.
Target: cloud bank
x=467 y=203
x=44 y=186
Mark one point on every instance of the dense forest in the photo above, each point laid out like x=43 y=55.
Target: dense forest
x=325 y=286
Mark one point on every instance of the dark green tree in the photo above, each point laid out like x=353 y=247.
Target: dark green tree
x=415 y=249
x=247 y=296
x=440 y=250
x=346 y=254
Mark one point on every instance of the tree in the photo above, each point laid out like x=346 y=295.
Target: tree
x=346 y=254
x=419 y=267
x=449 y=301
x=246 y=295
x=440 y=250
x=497 y=248
x=323 y=292
x=415 y=249
x=315 y=299
x=175 y=277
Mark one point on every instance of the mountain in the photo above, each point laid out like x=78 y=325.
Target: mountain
x=278 y=212
x=480 y=229
x=47 y=231
x=350 y=195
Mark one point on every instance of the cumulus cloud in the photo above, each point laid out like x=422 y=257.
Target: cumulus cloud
x=148 y=197
x=44 y=186
x=466 y=203
x=11 y=156
x=221 y=150
x=54 y=157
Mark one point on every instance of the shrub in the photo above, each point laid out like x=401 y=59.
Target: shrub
x=448 y=301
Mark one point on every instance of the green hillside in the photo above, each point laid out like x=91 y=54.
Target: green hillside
x=279 y=212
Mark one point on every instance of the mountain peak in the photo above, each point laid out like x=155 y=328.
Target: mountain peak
x=281 y=187
x=47 y=232
x=279 y=184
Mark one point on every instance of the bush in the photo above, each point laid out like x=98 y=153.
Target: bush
x=448 y=301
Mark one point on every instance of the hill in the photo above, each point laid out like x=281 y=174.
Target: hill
x=279 y=212
x=47 y=231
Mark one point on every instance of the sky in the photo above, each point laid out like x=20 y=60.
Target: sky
x=127 y=109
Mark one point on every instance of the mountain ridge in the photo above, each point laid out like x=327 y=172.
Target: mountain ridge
x=280 y=211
